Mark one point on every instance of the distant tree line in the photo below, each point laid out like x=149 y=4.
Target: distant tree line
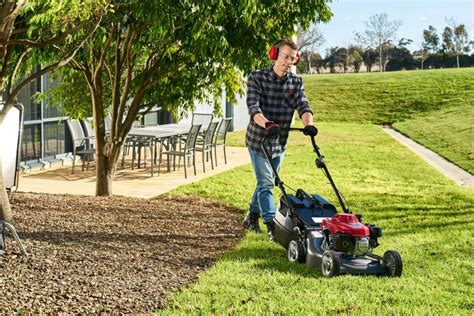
x=376 y=51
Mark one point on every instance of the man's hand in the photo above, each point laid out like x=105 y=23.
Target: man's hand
x=310 y=130
x=272 y=128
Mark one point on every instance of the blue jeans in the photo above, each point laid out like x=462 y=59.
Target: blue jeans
x=262 y=199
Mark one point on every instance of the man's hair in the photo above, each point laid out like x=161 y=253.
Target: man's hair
x=287 y=42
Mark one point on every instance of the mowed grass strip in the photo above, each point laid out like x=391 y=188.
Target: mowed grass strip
x=424 y=215
x=448 y=131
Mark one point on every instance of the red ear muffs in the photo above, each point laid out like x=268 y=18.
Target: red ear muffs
x=273 y=54
x=298 y=58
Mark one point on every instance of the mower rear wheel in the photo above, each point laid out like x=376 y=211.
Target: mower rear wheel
x=331 y=264
x=296 y=251
x=393 y=262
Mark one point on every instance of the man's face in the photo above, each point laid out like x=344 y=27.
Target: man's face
x=286 y=58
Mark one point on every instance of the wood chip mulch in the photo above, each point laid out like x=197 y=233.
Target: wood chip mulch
x=109 y=254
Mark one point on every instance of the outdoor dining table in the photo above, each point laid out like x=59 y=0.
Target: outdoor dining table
x=156 y=135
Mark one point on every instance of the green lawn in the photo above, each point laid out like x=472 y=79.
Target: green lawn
x=424 y=215
x=434 y=107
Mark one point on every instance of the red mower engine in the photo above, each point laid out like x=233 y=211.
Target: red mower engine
x=345 y=233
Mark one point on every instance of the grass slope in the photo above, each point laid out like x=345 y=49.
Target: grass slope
x=435 y=107
x=424 y=216
x=449 y=132
x=388 y=97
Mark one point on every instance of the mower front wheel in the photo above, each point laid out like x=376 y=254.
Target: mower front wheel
x=331 y=264
x=393 y=262
x=296 y=251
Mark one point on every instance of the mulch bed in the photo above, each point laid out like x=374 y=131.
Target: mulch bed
x=109 y=254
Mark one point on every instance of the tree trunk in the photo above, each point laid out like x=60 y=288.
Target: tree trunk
x=309 y=64
x=457 y=60
x=104 y=177
x=380 y=58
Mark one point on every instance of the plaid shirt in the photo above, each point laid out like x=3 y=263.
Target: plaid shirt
x=277 y=99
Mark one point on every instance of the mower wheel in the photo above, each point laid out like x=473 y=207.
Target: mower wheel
x=296 y=251
x=331 y=264
x=393 y=262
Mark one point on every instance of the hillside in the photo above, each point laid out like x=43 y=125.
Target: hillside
x=433 y=107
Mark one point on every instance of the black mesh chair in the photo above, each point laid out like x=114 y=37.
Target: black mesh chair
x=205 y=145
x=220 y=138
x=203 y=119
x=187 y=151
x=82 y=144
x=88 y=130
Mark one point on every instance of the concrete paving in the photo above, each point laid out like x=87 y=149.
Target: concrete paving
x=460 y=176
x=128 y=182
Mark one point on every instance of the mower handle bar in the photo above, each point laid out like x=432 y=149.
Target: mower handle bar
x=313 y=140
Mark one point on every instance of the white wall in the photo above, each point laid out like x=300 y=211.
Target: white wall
x=205 y=107
x=240 y=117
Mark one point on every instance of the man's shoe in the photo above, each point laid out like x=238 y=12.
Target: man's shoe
x=251 y=222
x=271 y=231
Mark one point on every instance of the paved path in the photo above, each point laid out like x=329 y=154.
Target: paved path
x=460 y=176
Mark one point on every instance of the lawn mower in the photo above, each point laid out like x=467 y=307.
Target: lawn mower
x=313 y=232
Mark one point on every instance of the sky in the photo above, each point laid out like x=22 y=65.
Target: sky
x=416 y=15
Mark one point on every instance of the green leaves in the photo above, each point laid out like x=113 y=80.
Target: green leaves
x=176 y=53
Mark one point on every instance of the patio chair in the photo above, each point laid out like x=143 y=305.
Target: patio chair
x=203 y=119
x=220 y=138
x=139 y=144
x=205 y=146
x=187 y=151
x=88 y=130
x=82 y=144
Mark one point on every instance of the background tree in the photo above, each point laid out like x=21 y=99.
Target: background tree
x=309 y=61
x=448 y=43
x=170 y=53
x=421 y=55
x=355 y=57
x=343 y=58
x=336 y=57
x=370 y=58
x=461 y=41
x=430 y=40
x=400 y=57
x=29 y=31
x=309 y=41
x=379 y=30
x=317 y=62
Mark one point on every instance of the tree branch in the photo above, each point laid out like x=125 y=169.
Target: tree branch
x=62 y=61
x=48 y=42
x=17 y=64
x=104 y=52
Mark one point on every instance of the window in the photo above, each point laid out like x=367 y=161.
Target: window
x=31 y=142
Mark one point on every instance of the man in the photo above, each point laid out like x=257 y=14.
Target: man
x=273 y=94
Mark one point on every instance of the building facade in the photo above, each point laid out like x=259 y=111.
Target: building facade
x=46 y=138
